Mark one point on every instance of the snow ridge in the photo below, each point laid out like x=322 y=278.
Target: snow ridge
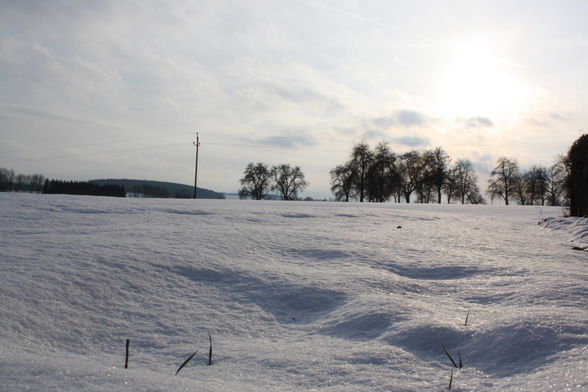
x=574 y=225
x=298 y=296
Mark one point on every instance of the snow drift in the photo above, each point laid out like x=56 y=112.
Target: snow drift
x=298 y=296
x=576 y=226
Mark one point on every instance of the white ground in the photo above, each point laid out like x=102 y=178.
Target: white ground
x=298 y=296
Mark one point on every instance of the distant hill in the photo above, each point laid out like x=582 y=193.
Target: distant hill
x=173 y=189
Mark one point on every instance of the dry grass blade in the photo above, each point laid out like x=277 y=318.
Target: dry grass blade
x=467 y=317
x=450 y=379
x=127 y=354
x=186 y=362
x=449 y=356
x=210 y=350
x=460 y=362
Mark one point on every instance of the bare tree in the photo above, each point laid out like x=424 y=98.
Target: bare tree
x=520 y=187
x=410 y=168
x=536 y=179
x=361 y=160
x=556 y=177
x=6 y=179
x=21 y=183
x=288 y=180
x=503 y=177
x=256 y=181
x=437 y=162
x=36 y=183
x=474 y=196
x=541 y=185
x=383 y=176
x=342 y=179
x=450 y=185
x=9 y=181
x=465 y=181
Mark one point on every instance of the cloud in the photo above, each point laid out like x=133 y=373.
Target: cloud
x=372 y=134
x=547 y=120
x=296 y=94
x=558 y=116
x=345 y=130
x=412 y=141
x=409 y=118
x=385 y=122
x=476 y=122
x=26 y=111
x=286 y=141
x=482 y=163
x=405 y=118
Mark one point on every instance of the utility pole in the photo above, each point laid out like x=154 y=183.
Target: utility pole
x=197 y=144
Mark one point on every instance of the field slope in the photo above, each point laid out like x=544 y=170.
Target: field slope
x=297 y=296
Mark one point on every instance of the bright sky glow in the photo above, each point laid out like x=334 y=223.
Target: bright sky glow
x=479 y=82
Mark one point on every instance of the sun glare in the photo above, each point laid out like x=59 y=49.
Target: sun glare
x=479 y=82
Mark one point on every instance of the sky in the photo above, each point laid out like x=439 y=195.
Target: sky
x=118 y=89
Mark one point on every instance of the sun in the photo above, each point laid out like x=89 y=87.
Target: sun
x=478 y=81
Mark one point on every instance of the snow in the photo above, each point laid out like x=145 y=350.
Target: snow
x=298 y=296
x=578 y=227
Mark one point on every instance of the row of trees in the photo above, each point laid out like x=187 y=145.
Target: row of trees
x=258 y=179
x=12 y=182
x=379 y=175
x=537 y=185
x=37 y=183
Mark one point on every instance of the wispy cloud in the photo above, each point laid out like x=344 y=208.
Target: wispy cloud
x=373 y=134
x=285 y=141
x=404 y=118
x=348 y=131
x=410 y=118
x=483 y=163
x=476 y=122
x=547 y=120
x=350 y=14
x=273 y=93
x=412 y=141
x=26 y=111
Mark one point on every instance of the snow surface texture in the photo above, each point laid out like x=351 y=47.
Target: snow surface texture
x=578 y=227
x=298 y=296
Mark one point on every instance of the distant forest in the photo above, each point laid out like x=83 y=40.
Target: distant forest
x=37 y=183
x=146 y=188
x=82 y=188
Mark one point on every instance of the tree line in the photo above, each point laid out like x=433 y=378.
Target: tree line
x=12 y=182
x=82 y=188
x=151 y=191
x=259 y=179
x=380 y=175
x=538 y=185
x=37 y=183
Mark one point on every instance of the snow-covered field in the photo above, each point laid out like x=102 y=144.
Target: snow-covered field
x=298 y=296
